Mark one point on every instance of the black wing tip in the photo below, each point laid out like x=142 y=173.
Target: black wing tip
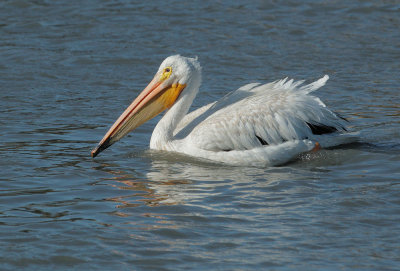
x=261 y=140
x=321 y=129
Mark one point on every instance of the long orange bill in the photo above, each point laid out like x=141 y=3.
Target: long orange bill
x=154 y=99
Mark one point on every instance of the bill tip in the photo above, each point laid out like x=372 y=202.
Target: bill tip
x=94 y=153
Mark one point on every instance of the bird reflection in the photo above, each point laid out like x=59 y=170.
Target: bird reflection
x=143 y=192
x=171 y=181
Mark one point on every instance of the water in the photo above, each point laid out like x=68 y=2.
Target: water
x=69 y=68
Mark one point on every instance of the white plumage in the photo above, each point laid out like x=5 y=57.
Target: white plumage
x=258 y=124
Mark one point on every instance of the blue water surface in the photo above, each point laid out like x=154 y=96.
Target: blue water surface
x=69 y=68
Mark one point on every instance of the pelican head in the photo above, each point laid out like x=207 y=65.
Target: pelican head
x=167 y=87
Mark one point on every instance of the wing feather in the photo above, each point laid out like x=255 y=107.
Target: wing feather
x=257 y=115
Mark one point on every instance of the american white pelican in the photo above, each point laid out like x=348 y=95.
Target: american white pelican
x=258 y=124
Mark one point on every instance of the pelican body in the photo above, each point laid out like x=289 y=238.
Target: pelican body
x=258 y=124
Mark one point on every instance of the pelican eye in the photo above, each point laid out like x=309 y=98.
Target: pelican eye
x=166 y=73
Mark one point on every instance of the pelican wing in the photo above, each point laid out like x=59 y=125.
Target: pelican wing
x=256 y=115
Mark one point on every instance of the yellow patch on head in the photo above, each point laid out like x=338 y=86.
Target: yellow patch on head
x=166 y=73
x=170 y=95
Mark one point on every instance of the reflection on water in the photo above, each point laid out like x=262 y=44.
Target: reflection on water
x=177 y=183
x=144 y=193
